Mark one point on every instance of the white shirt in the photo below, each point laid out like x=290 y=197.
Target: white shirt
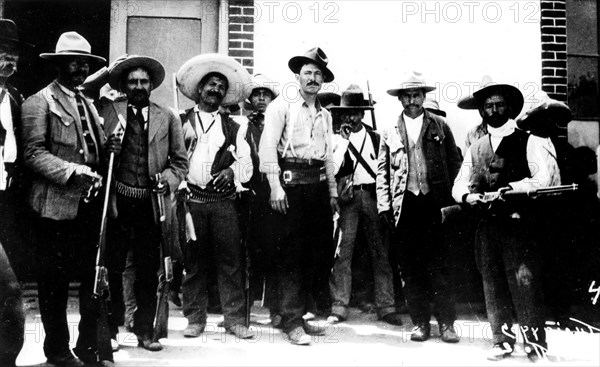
x=210 y=139
x=8 y=153
x=413 y=126
x=541 y=156
x=340 y=146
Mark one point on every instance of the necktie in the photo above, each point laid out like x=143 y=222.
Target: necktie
x=88 y=133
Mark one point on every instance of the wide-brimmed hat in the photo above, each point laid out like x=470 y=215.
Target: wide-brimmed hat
x=94 y=82
x=547 y=113
x=72 y=44
x=353 y=98
x=192 y=71
x=8 y=33
x=488 y=87
x=410 y=81
x=315 y=56
x=260 y=81
x=153 y=66
x=431 y=105
x=329 y=99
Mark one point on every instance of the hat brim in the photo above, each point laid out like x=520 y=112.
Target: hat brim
x=192 y=71
x=436 y=111
x=512 y=94
x=545 y=115
x=57 y=56
x=154 y=67
x=16 y=41
x=396 y=92
x=96 y=81
x=296 y=63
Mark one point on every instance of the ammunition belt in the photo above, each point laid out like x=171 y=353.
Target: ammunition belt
x=201 y=196
x=132 y=191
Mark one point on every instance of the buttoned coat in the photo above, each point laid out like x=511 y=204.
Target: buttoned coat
x=166 y=151
x=442 y=160
x=53 y=147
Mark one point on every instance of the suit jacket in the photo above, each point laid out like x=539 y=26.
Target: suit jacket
x=166 y=151
x=441 y=155
x=53 y=147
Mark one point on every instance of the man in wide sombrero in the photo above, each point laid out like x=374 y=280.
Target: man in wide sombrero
x=219 y=158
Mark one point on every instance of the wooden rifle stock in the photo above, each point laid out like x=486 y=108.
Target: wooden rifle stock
x=165 y=274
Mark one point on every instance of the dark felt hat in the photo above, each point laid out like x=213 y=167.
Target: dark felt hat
x=315 y=56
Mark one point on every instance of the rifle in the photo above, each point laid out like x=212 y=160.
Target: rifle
x=491 y=197
x=101 y=291
x=165 y=272
x=371 y=104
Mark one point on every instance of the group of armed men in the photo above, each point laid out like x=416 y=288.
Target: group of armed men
x=271 y=187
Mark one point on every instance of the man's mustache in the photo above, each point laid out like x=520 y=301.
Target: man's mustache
x=313 y=83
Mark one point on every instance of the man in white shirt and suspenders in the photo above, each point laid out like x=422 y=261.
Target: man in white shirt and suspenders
x=296 y=154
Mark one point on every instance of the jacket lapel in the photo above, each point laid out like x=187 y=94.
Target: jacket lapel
x=120 y=108
x=61 y=99
x=156 y=119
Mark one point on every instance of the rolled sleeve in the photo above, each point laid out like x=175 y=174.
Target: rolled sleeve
x=242 y=167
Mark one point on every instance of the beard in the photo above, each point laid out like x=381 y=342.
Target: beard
x=139 y=97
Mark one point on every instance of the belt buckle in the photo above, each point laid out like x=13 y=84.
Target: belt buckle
x=287 y=176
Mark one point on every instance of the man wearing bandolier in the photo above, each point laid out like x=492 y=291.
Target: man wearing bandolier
x=262 y=227
x=219 y=159
x=506 y=159
x=355 y=154
x=64 y=146
x=152 y=144
x=296 y=154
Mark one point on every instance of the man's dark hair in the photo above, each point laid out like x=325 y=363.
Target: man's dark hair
x=125 y=75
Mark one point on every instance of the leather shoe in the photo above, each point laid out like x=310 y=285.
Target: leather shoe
x=65 y=359
x=241 y=331
x=193 y=330
x=297 y=336
x=335 y=319
x=500 y=351
x=314 y=329
x=393 y=319
x=276 y=321
x=448 y=334
x=147 y=343
x=421 y=332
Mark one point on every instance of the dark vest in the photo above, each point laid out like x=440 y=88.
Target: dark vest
x=223 y=158
x=492 y=171
x=133 y=166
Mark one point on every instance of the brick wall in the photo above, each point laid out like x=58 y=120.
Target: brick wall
x=554 y=48
x=241 y=32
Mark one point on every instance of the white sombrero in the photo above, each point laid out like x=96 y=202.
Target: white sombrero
x=192 y=71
